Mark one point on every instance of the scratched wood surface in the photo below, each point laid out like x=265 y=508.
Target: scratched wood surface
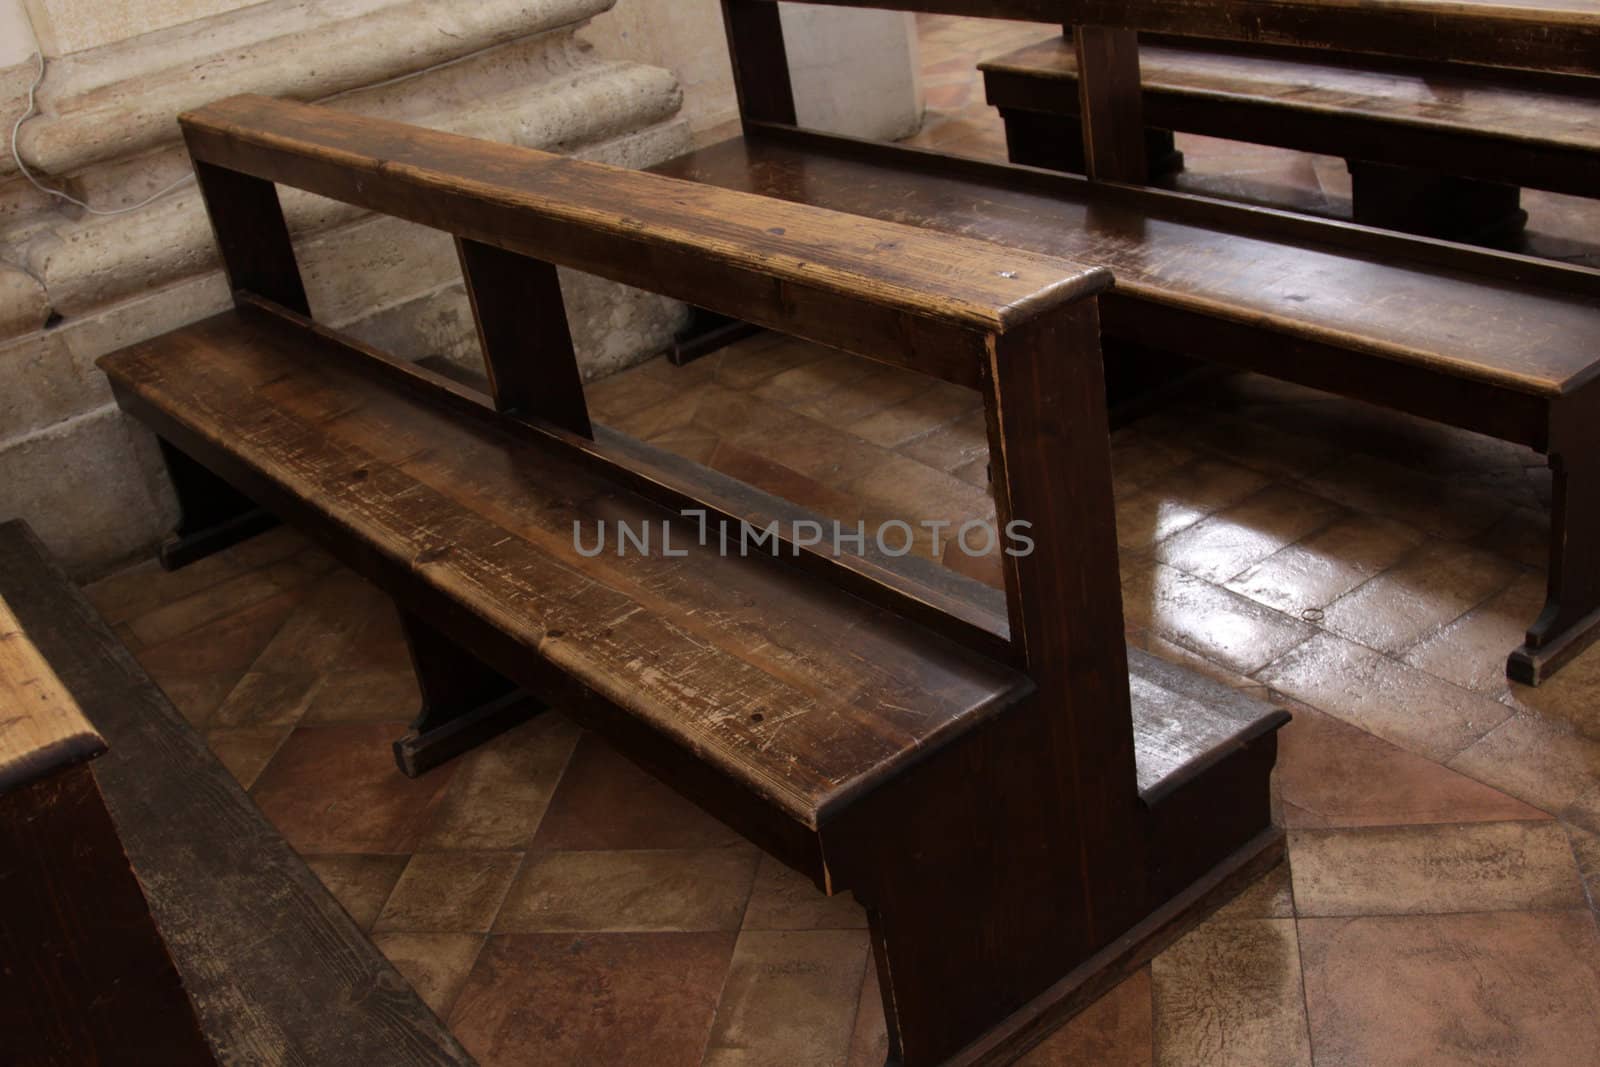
x=1428 y=100
x=1516 y=336
x=735 y=660
x=41 y=728
x=621 y=224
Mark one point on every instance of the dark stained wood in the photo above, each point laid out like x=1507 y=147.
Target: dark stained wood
x=252 y=235
x=1492 y=126
x=276 y=971
x=865 y=287
x=1110 y=104
x=86 y=979
x=760 y=60
x=464 y=703
x=211 y=513
x=1570 y=621
x=1542 y=35
x=985 y=799
x=522 y=329
x=924 y=592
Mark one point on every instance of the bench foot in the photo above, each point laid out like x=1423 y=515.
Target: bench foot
x=1434 y=204
x=422 y=750
x=1055 y=142
x=707 y=333
x=213 y=515
x=464 y=703
x=1570 y=621
x=1531 y=664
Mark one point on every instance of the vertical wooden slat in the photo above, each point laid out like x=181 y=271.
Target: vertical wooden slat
x=1110 y=103
x=1050 y=456
x=252 y=235
x=523 y=332
x=760 y=61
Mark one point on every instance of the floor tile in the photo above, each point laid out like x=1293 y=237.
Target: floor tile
x=360 y=882
x=636 y=891
x=436 y=965
x=783 y=899
x=1269 y=897
x=139 y=590
x=1541 y=762
x=1229 y=993
x=592 y=998
x=1401 y=704
x=606 y=802
x=1409 y=870
x=1235 y=632
x=246 y=752
x=953 y=446
x=500 y=791
x=1472 y=650
x=1433 y=505
x=366 y=694
x=1118 y=1030
x=1331 y=774
x=790 y=1000
x=1307 y=576
x=336 y=789
x=869 y=1038
x=1185 y=496
x=1229 y=541
x=1421 y=594
x=449 y=892
x=752 y=361
x=197 y=672
x=1497 y=988
x=1139 y=458
x=267 y=698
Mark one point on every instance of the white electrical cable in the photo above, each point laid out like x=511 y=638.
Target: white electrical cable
x=22 y=167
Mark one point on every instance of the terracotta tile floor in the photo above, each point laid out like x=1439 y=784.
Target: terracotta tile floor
x=556 y=905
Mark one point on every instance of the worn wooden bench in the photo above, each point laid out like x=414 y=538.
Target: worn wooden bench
x=1500 y=344
x=272 y=969
x=1432 y=148
x=1026 y=810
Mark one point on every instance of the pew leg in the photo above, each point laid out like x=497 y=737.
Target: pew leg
x=464 y=703
x=212 y=514
x=1433 y=204
x=1570 y=621
x=1055 y=142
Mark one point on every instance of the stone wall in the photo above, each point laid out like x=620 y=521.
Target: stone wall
x=74 y=285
